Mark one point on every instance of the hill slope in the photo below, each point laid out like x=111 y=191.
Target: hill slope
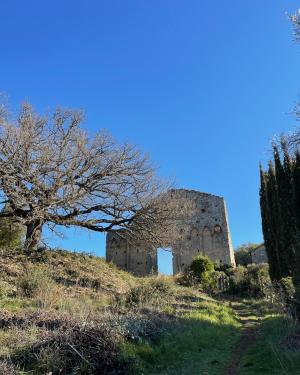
x=74 y=314
x=70 y=313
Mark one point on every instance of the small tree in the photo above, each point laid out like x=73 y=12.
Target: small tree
x=243 y=254
x=52 y=172
x=201 y=267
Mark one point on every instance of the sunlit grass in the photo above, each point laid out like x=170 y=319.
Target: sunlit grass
x=274 y=352
x=201 y=342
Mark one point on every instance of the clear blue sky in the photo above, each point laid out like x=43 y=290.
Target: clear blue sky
x=201 y=85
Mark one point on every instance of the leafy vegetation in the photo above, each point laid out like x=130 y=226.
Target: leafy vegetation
x=200 y=342
x=62 y=312
x=243 y=254
x=201 y=267
x=251 y=281
x=276 y=350
x=11 y=233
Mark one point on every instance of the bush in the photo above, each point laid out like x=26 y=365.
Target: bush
x=209 y=283
x=238 y=281
x=203 y=273
x=243 y=254
x=250 y=281
x=259 y=279
x=33 y=282
x=154 y=291
x=201 y=267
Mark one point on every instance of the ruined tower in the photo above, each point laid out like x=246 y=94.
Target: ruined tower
x=202 y=229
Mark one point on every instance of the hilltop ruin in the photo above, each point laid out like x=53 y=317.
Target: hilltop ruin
x=202 y=229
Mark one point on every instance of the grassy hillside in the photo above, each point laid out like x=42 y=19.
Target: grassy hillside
x=74 y=314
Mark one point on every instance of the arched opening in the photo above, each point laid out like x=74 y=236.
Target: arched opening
x=165 y=260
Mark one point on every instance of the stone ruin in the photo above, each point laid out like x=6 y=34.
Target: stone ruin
x=202 y=229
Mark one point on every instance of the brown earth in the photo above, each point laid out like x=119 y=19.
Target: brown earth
x=250 y=331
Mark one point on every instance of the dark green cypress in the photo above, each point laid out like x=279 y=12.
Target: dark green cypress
x=285 y=221
x=289 y=217
x=274 y=223
x=267 y=225
x=297 y=188
x=296 y=264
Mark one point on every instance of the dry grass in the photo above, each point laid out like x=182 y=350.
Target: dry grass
x=79 y=273
x=65 y=313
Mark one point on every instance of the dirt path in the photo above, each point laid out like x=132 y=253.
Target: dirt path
x=250 y=321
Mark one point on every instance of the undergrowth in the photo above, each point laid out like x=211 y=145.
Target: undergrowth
x=199 y=342
x=277 y=349
x=66 y=313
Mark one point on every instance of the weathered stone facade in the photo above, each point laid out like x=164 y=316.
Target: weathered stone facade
x=202 y=229
x=259 y=254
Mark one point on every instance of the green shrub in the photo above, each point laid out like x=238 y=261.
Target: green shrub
x=259 y=279
x=238 y=281
x=243 y=254
x=203 y=274
x=250 y=281
x=201 y=267
x=209 y=283
x=223 y=267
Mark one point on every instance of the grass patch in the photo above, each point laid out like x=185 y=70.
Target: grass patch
x=274 y=351
x=201 y=341
x=15 y=305
x=15 y=337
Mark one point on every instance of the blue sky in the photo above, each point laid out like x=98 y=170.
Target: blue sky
x=201 y=85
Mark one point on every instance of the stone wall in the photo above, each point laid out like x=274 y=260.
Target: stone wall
x=201 y=229
x=136 y=258
x=259 y=255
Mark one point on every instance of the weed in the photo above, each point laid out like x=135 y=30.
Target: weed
x=32 y=282
x=154 y=291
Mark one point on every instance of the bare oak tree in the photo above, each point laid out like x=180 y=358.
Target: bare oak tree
x=52 y=172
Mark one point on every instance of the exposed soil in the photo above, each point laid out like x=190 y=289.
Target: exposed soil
x=249 y=334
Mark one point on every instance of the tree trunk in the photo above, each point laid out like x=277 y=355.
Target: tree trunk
x=33 y=235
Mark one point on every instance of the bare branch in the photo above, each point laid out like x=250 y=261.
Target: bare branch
x=52 y=172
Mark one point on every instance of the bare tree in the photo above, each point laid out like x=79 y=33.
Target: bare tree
x=52 y=172
x=295 y=18
x=292 y=139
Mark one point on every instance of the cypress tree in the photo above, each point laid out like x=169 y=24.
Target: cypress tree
x=290 y=221
x=267 y=226
x=280 y=210
x=296 y=264
x=285 y=222
x=274 y=223
x=297 y=188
